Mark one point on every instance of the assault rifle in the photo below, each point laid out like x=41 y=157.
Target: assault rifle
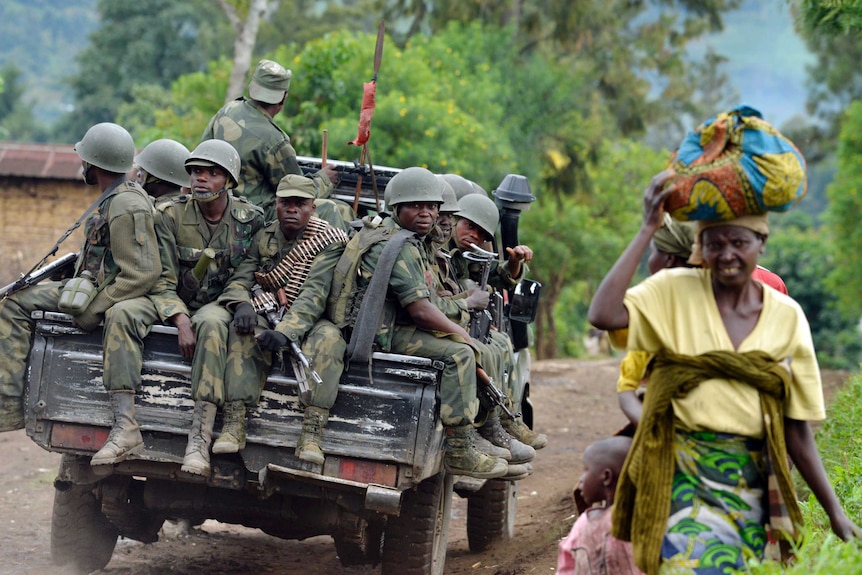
x=301 y=366
x=490 y=395
x=36 y=275
x=481 y=320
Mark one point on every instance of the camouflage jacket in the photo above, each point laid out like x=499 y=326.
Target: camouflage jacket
x=120 y=243
x=452 y=299
x=184 y=234
x=412 y=279
x=268 y=249
x=265 y=152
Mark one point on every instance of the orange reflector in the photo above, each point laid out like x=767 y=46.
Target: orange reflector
x=363 y=471
x=84 y=437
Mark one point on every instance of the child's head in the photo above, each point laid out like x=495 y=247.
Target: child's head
x=603 y=461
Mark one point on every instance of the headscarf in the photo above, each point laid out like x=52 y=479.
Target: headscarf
x=756 y=223
x=674 y=238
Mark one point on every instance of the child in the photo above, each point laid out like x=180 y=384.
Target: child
x=589 y=548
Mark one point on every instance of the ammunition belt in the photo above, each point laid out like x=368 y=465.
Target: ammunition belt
x=293 y=269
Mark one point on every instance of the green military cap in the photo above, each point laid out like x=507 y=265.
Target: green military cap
x=270 y=82
x=295 y=186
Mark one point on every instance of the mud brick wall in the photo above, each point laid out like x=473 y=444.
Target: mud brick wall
x=34 y=213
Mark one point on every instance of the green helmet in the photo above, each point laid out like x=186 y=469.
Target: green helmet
x=107 y=146
x=413 y=185
x=460 y=184
x=165 y=159
x=481 y=210
x=450 y=200
x=216 y=152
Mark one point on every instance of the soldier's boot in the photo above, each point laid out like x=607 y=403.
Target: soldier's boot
x=308 y=446
x=232 y=437
x=197 y=457
x=489 y=448
x=519 y=430
x=11 y=413
x=493 y=431
x=462 y=457
x=518 y=471
x=125 y=436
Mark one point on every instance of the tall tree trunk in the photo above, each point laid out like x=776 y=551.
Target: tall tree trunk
x=243 y=45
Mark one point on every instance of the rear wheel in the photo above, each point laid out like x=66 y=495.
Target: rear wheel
x=82 y=538
x=360 y=545
x=491 y=514
x=414 y=543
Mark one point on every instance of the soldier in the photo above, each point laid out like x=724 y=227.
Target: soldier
x=265 y=150
x=214 y=220
x=476 y=222
x=161 y=169
x=412 y=324
x=120 y=253
x=462 y=186
x=289 y=267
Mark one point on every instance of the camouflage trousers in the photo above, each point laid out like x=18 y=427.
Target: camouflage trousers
x=505 y=354
x=128 y=322
x=458 y=402
x=16 y=330
x=248 y=365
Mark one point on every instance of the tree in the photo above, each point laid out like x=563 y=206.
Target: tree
x=244 y=17
x=833 y=18
x=17 y=122
x=844 y=214
x=146 y=42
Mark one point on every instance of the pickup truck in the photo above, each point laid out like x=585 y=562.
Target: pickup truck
x=381 y=494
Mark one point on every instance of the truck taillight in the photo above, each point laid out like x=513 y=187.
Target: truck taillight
x=362 y=471
x=83 y=437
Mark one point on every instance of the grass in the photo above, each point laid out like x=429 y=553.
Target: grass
x=840 y=445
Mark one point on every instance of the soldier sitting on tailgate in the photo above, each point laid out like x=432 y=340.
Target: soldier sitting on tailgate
x=279 y=294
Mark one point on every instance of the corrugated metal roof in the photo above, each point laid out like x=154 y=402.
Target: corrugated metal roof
x=47 y=161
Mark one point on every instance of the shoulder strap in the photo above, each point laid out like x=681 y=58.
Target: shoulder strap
x=368 y=320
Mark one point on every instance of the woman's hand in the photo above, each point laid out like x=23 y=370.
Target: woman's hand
x=655 y=195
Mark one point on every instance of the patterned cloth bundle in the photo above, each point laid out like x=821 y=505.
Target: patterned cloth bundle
x=735 y=164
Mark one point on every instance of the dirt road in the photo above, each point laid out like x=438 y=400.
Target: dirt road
x=575 y=403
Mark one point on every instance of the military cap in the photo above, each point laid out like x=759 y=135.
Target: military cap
x=270 y=82
x=296 y=186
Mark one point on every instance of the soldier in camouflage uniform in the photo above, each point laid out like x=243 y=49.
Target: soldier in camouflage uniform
x=264 y=149
x=476 y=222
x=120 y=252
x=412 y=323
x=289 y=267
x=162 y=170
x=214 y=220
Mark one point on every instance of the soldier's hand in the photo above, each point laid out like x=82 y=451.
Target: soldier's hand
x=244 y=318
x=185 y=335
x=477 y=299
x=520 y=253
x=331 y=173
x=271 y=340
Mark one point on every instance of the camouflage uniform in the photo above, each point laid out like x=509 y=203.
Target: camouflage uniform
x=183 y=235
x=120 y=246
x=412 y=279
x=321 y=340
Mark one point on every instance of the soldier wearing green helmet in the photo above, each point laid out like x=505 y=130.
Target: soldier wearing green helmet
x=161 y=169
x=120 y=254
x=412 y=323
x=476 y=223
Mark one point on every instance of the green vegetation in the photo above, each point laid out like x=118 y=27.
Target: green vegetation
x=821 y=552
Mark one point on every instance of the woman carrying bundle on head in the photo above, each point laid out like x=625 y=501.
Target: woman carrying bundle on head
x=734 y=379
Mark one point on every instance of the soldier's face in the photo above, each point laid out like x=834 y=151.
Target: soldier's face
x=418 y=217
x=444 y=222
x=207 y=182
x=293 y=215
x=466 y=233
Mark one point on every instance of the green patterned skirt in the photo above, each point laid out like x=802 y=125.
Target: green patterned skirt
x=718 y=510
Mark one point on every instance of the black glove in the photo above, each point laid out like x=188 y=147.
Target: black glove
x=272 y=340
x=244 y=318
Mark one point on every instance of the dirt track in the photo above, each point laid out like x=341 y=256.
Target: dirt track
x=575 y=403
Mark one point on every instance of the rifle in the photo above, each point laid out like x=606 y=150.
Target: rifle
x=34 y=276
x=298 y=360
x=480 y=321
x=490 y=395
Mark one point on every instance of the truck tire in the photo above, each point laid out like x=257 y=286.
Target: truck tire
x=414 y=543
x=82 y=538
x=491 y=514
x=360 y=546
